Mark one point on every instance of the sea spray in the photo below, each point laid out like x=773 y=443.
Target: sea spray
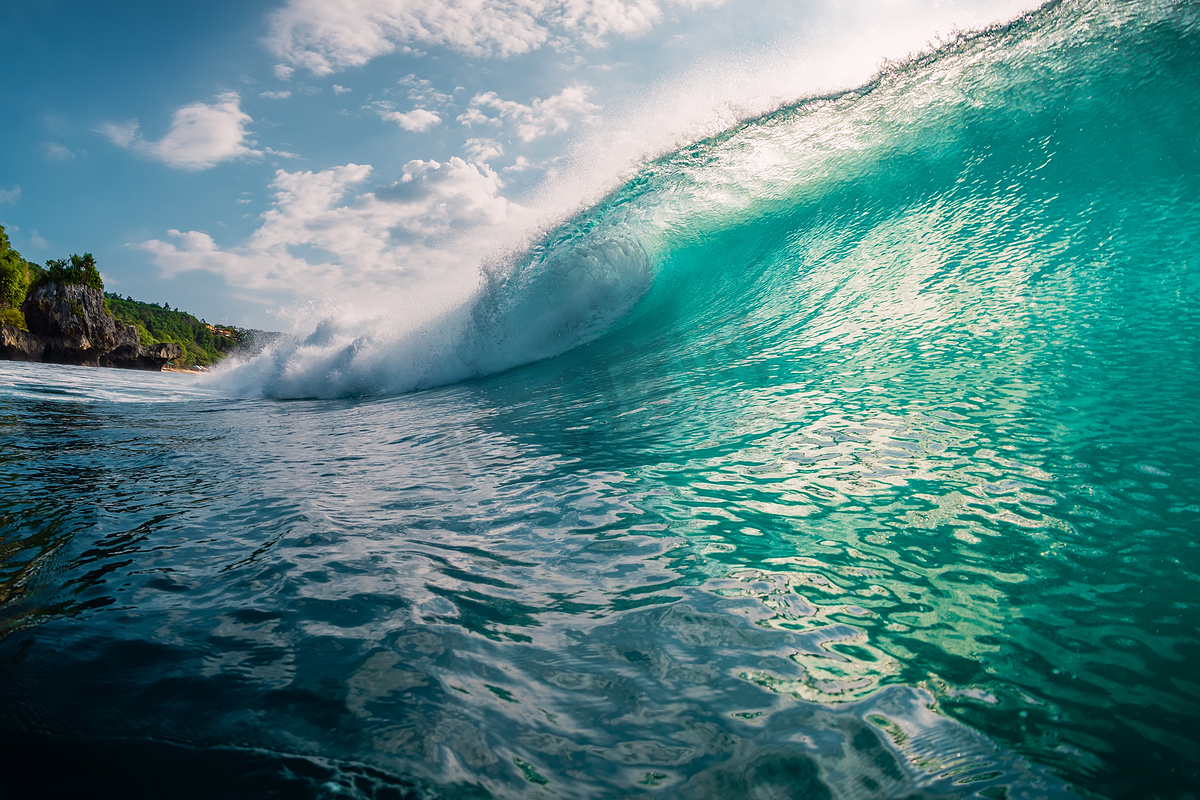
x=551 y=298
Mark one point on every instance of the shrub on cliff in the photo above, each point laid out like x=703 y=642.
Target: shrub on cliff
x=77 y=270
x=15 y=274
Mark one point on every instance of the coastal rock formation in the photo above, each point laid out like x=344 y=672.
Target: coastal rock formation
x=19 y=345
x=130 y=353
x=69 y=324
x=71 y=321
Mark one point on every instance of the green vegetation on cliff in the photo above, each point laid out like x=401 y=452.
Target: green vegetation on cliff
x=78 y=269
x=16 y=275
x=202 y=343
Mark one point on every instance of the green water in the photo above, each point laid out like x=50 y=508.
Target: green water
x=930 y=352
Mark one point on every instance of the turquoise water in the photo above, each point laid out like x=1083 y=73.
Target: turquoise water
x=852 y=453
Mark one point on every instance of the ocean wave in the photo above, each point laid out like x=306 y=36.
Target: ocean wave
x=969 y=156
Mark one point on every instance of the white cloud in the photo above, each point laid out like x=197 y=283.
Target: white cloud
x=418 y=120
x=482 y=151
x=10 y=195
x=57 y=152
x=540 y=117
x=282 y=95
x=422 y=91
x=122 y=134
x=441 y=196
x=324 y=37
x=201 y=135
x=598 y=18
x=520 y=165
x=320 y=235
x=283 y=71
x=339 y=89
x=38 y=241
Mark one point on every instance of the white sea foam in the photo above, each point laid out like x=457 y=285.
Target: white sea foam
x=523 y=310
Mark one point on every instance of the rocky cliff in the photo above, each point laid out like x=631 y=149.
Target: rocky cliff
x=72 y=321
x=129 y=353
x=68 y=324
x=19 y=345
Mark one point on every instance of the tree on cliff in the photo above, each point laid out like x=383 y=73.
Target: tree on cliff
x=15 y=274
x=77 y=269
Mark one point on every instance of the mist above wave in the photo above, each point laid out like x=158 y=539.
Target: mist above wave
x=544 y=302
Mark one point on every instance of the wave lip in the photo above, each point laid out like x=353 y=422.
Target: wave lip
x=569 y=297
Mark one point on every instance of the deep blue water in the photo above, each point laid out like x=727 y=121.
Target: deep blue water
x=852 y=453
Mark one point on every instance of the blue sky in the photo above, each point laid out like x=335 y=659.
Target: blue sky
x=243 y=160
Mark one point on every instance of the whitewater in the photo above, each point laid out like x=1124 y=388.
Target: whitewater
x=849 y=452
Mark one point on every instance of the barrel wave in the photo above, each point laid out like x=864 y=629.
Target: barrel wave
x=854 y=452
x=934 y=199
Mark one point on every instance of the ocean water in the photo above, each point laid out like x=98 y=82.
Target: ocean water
x=853 y=453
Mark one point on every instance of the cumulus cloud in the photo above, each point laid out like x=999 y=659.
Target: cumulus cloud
x=324 y=233
x=482 y=151
x=10 y=195
x=280 y=95
x=324 y=37
x=423 y=91
x=425 y=99
x=338 y=89
x=539 y=118
x=201 y=135
x=597 y=19
x=520 y=165
x=418 y=120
